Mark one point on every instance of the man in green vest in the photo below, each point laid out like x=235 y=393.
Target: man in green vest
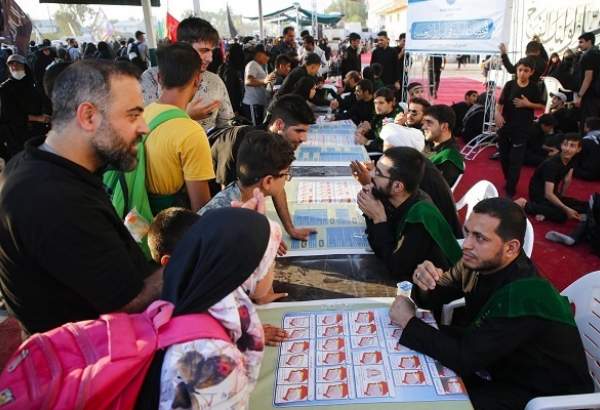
x=438 y=122
x=520 y=340
x=404 y=227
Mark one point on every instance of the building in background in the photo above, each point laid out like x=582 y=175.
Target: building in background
x=389 y=15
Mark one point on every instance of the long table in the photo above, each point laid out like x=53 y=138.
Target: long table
x=262 y=397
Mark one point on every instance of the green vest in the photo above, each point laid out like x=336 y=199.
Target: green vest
x=527 y=297
x=429 y=216
x=448 y=154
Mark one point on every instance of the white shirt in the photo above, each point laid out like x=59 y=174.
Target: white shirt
x=255 y=95
x=318 y=51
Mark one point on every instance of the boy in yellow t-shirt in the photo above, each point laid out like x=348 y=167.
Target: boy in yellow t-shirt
x=177 y=151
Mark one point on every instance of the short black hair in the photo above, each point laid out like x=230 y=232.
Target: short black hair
x=311 y=59
x=408 y=166
x=282 y=59
x=527 y=62
x=367 y=73
x=177 y=64
x=308 y=39
x=471 y=92
x=443 y=114
x=194 y=29
x=303 y=86
x=51 y=74
x=533 y=47
x=513 y=221
x=304 y=33
x=355 y=75
x=382 y=33
x=592 y=123
x=287 y=29
x=377 y=69
x=422 y=102
x=589 y=36
x=292 y=109
x=168 y=228
x=573 y=136
x=548 y=120
x=354 y=36
x=386 y=93
x=262 y=153
x=366 y=85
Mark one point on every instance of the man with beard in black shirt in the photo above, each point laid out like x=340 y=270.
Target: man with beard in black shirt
x=351 y=56
x=387 y=57
x=588 y=95
x=521 y=340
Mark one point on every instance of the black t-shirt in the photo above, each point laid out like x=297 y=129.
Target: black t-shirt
x=551 y=170
x=388 y=58
x=460 y=109
x=520 y=118
x=590 y=61
x=64 y=253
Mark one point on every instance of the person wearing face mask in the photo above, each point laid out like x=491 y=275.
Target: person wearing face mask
x=21 y=107
x=404 y=227
x=177 y=151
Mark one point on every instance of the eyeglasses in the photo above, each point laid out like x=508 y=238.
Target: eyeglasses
x=287 y=175
x=379 y=174
x=413 y=112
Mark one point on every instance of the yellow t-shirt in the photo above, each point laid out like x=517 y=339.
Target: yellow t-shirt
x=176 y=151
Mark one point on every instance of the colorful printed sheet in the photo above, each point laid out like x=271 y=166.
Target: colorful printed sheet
x=329 y=155
x=350 y=357
x=319 y=190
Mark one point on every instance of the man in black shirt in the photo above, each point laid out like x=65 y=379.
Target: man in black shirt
x=461 y=108
x=521 y=340
x=543 y=140
x=386 y=56
x=550 y=182
x=588 y=96
x=364 y=108
x=435 y=65
x=351 y=56
x=514 y=116
x=532 y=50
x=342 y=105
x=310 y=67
x=588 y=165
x=64 y=253
x=403 y=226
x=566 y=116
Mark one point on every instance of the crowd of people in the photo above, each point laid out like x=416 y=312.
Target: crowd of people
x=128 y=183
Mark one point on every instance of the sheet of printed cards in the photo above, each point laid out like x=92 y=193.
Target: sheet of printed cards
x=349 y=357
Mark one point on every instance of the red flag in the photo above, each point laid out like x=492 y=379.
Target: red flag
x=172 y=24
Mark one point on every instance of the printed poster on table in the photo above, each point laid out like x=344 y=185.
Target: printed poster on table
x=353 y=357
x=457 y=26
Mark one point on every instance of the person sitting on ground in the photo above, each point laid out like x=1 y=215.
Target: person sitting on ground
x=211 y=105
x=520 y=340
x=208 y=273
x=363 y=110
x=415 y=90
x=461 y=108
x=543 y=141
x=404 y=227
x=288 y=118
x=367 y=133
x=343 y=103
x=177 y=151
x=566 y=116
x=310 y=67
x=413 y=118
x=473 y=119
x=588 y=165
x=549 y=185
x=66 y=256
x=168 y=229
x=438 y=123
x=377 y=72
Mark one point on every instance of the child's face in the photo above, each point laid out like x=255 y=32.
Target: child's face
x=524 y=72
x=569 y=149
x=274 y=184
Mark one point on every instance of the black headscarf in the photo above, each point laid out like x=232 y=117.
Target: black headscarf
x=215 y=257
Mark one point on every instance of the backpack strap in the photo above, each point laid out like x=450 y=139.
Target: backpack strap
x=165 y=116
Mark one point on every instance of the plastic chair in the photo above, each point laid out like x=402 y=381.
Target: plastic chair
x=481 y=190
x=584 y=293
x=456 y=182
x=552 y=86
x=448 y=309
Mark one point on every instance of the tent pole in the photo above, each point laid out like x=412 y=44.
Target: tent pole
x=260 y=21
x=197 y=8
x=146 y=6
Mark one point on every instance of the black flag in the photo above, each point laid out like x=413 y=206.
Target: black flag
x=232 y=31
x=16 y=25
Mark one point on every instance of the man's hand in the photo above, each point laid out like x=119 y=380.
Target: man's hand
x=502 y=48
x=427 y=275
x=271 y=296
x=282 y=250
x=270 y=78
x=371 y=207
x=577 y=100
x=400 y=119
x=256 y=203
x=401 y=311
x=360 y=139
x=301 y=234
x=198 y=110
x=362 y=171
x=334 y=104
x=499 y=120
x=522 y=102
x=364 y=127
x=572 y=214
x=274 y=335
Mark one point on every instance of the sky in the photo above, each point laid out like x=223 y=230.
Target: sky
x=248 y=8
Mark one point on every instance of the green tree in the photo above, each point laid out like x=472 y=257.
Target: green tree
x=353 y=10
x=71 y=18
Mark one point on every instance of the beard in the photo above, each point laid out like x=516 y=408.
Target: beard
x=381 y=194
x=487 y=265
x=112 y=150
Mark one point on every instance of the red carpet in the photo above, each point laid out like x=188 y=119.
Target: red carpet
x=561 y=264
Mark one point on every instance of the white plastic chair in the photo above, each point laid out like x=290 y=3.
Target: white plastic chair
x=481 y=190
x=456 y=182
x=448 y=309
x=552 y=86
x=584 y=293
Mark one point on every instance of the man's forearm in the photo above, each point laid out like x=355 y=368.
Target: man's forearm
x=281 y=206
x=587 y=81
x=150 y=292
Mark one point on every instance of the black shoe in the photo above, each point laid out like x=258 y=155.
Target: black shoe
x=495 y=156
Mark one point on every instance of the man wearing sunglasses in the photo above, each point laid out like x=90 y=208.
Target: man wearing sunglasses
x=404 y=227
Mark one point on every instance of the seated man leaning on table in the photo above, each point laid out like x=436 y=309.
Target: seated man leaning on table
x=521 y=341
x=404 y=227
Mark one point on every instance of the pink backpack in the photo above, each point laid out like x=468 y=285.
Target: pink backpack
x=97 y=364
